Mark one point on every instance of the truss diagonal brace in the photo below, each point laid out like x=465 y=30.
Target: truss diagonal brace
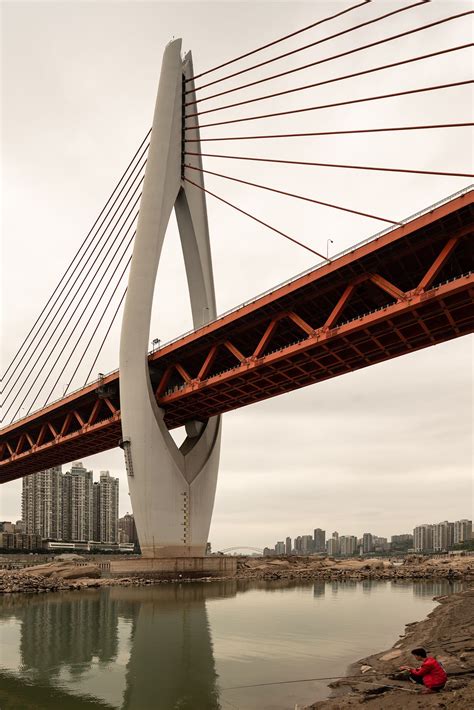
x=437 y=265
x=387 y=286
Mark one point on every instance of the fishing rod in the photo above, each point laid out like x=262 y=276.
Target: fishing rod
x=337 y=677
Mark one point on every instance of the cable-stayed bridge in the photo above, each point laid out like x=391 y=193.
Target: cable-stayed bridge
x=409 y=288
x=406 y=288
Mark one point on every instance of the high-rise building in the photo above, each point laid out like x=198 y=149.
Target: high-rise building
x=443 y=536
x=288 y=546
x=333 y=546
x=347 y=544
x=280 y=548
x=306 y=544
x=41 y=503
x=367 y=543
x=127 y=525
x=108 y=507
x=96 y=513
x=423 y=538
x=298 y=545
x=77 y=504
x=70 y=507
x=381 y=544
x=319 y=540
x=462 y=531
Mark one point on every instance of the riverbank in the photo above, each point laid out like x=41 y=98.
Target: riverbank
x=80 y=574
x=447 y=633
x=331 y=569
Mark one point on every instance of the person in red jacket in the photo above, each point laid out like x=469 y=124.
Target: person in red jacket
x=431 y=673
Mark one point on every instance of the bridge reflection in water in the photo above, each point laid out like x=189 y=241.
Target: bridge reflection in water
x=124 y=647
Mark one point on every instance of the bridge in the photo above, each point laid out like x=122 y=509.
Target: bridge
x=407 y=287
x=242 y=547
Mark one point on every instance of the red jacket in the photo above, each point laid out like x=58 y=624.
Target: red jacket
x=431 y=672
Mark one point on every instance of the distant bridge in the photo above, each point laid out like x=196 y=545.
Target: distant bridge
x=233 y=549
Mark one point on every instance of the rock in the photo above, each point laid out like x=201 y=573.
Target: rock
x=84 y=571
x=390 y=656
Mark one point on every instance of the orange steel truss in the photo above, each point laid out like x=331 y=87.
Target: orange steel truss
x=408 y=289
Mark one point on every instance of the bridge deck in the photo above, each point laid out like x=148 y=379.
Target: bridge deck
x=408 y=289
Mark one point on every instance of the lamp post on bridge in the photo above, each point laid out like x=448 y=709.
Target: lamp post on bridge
x=329 y=241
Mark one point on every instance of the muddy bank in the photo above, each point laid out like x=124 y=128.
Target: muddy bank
x=447 y=633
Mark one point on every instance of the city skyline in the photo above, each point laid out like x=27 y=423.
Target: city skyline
x=427 y=536
x=364 y=446
x=318 y=533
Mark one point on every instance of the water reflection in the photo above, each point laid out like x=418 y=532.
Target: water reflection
x=151 y=648
x=319 y=588
x=70 y=639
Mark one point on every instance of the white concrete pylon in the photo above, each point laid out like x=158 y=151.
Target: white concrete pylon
x=172 y=489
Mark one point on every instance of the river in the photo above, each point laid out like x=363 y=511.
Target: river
x=191 y=646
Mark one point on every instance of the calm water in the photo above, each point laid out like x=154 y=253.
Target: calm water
x=184 y=647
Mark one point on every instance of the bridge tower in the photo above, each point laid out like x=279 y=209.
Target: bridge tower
x=172 y=489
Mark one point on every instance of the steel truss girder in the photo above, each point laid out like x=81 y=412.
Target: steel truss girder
x=323 y=336
x=256 y=358
x=85 y=422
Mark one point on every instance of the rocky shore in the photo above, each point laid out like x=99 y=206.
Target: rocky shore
x=327 y=568
x=447 y=633
x=69 y=575
x=61 y=577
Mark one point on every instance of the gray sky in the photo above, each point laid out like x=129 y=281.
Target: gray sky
x=380 y=450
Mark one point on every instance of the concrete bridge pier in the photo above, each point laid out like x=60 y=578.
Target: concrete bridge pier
x=172 y=489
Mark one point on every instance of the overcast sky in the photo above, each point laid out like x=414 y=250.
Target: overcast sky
x=382 y=449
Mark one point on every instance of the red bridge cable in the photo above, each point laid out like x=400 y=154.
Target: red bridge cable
x=51 y=352
x=75 y=293
x=277 y=41
x=338 y=34
x=337 y=56
x=331 y=165
x=291 y=239
x=338 y=103
x=330 y=133
x=330 y=81
x=84 y=280
x=105 y=336
x=76 y=306
x=77 y=324
x=92 y=248
x=110 y=199
x=291 y=194
x=97 y=326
